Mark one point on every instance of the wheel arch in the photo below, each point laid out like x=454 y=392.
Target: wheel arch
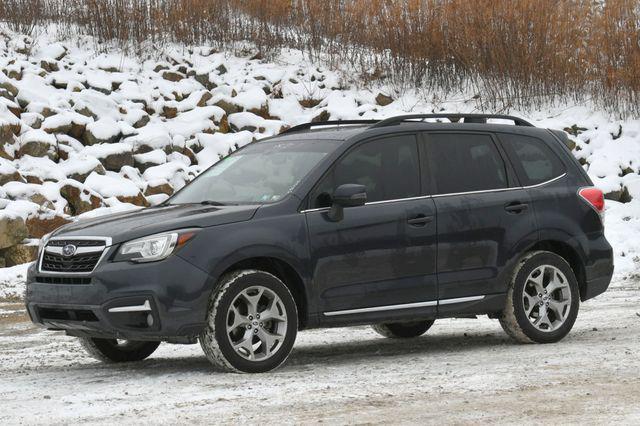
x=568 y=253
x=285 y=272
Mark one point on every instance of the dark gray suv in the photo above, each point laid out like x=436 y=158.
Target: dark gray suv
x=394 y=223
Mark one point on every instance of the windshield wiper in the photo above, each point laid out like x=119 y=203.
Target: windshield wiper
x=213 y=203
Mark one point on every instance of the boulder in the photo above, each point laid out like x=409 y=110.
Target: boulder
x=114 y=162
x=383 y=100
x=9 y=174
x=228 y=107
x=104 y=130
x=41 y=225
x=19 y=254
x=323 y=116
x=173 y=76
x=205 y=81
x=37 y=143
x=137 y=200
x=80 y=198
x=82 y=176
x=12 y=231
x=159 y=187
x=169 y=111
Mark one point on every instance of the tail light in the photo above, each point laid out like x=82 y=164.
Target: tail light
x=595 y=198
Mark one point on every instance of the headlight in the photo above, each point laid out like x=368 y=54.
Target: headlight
x=154 y=247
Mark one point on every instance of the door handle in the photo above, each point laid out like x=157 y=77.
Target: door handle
x=516 y=207
x=420 y=220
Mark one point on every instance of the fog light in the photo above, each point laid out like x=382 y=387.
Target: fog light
x=150 y=320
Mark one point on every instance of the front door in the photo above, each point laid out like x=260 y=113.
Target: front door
x=380 y=259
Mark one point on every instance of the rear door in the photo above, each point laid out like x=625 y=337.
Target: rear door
x=485 y=218
x=381 y=257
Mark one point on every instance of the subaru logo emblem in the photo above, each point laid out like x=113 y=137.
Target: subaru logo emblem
x=68 y=250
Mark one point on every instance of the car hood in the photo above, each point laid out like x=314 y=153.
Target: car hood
x=139 y=223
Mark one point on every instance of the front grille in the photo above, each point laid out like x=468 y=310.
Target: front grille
x=87 y=254
x=78 y=263
x=63 y=280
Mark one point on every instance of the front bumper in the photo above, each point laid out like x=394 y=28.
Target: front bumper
x=164 y=300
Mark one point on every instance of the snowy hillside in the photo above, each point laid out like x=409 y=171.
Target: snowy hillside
x=85 y=134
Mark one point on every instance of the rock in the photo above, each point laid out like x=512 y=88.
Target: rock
x=575 y=130
x=49 y=66
x=35 y=179
x=137 y=200
x=228 y=107
x=622 y=195
x=81 y=177
x=309 y=102
x=9 y=174
x=80 y=198
x=383 y=100
x=114 y=162
x=169 y=111
x=12 y=231
x=37 y=143
x=19 y=254
x=39 y=226
x=223 y=126
x=184 y=150
x=172 y=76
x=203 y=100
x=153 y=158
x=104 y=130
x=323 y=116
x=143 y=121
x=221 y=69
x=205 y=81
x=159 y=187
x=9 y=88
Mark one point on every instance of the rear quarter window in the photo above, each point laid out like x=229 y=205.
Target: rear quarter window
x=533 y=160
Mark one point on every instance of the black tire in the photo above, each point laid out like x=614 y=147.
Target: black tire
x=110 y=351
x=514 y=319
x=215 y=341
x=403 y=330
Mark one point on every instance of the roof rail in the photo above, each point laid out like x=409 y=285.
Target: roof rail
x=307 y=126
x=454 y=118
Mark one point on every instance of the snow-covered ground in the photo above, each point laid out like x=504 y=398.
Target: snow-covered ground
x=460 y=372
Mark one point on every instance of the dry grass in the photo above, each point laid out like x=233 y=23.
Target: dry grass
x=520 y=53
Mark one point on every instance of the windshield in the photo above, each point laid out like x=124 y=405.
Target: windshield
x=263 y=172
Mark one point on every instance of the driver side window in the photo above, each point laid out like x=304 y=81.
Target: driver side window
x=387 y=167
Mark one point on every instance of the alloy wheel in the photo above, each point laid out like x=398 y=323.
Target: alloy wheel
x=256 y=323
x=546 y=298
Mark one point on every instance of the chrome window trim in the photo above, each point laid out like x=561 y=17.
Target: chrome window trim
x=108 y=241
x=405 y=306
x=483 y=191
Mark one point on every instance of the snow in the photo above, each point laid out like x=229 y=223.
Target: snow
x=111 y=185
x=12 y=281
x=466 y=371
x=37 y=136
x=104 y=150
x=104 y=128
x=156 y=156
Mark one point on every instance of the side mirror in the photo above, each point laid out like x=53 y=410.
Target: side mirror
x=347 y=195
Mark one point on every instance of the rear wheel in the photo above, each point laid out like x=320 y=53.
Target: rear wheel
x=112 y=350
x=252 y=323
x=403 y=330
x=542 y=300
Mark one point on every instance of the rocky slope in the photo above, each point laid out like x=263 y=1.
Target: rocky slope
x=83 y=134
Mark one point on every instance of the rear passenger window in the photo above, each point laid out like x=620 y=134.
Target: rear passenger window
x=534 y=160
x=465 y=163
x=387 y=167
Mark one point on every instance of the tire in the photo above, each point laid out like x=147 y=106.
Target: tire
x=111 y=351
x=233 y=319
x=403 y=330
x=542 y=300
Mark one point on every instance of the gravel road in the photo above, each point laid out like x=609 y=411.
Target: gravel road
x=461 y=372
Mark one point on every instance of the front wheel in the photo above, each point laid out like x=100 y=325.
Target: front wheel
x=403 y=330
x=111 y=350
x=542 y=300
x=251 y=324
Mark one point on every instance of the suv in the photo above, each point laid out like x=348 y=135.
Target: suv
x=394 y=223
